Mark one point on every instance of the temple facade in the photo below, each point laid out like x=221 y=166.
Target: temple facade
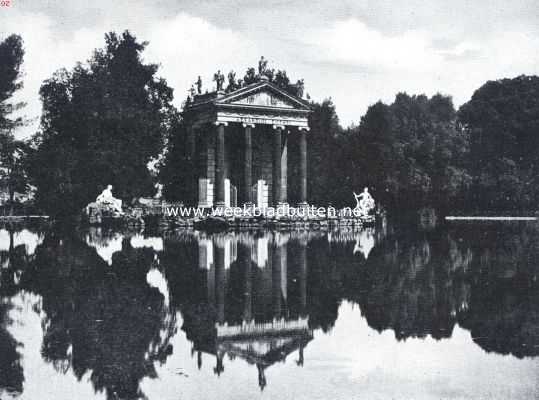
x=248 y=146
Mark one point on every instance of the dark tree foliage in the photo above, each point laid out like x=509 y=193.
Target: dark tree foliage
x=411 y=152
x=502 y=119
x=102 y=123
x=326 y=172
x=13 y=165
x=13 y=152
x=174 y=169
x=11 y=58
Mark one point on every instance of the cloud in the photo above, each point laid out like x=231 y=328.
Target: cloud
x=184 y=46
x=351 y=41
x=366 y=64
x=45 y=53
x=187 y=46
x=356 y=57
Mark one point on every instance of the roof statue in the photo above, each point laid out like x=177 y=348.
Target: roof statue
x=300 y=87
x=232 y=85
x=219 y=79
x=199 y=85
x=262 y=66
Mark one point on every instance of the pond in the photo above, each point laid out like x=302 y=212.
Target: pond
x=385 y=313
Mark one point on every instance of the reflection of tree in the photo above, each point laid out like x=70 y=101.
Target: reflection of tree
x=503 y=313
x=483 y=277
x=325 y=287
x=504 y=318
x=414 y=285
x=11 y=372
x=13 y=262
x=102 y=319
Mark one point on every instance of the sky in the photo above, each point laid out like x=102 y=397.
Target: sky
x=355 y=51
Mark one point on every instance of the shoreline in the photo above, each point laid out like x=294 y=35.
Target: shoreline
x=22 y=217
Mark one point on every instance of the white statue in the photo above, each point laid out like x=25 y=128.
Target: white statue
x=106 y=198
x=365 y=202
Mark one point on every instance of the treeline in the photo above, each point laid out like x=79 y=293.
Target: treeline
x=111 y=121
x=410 y=153
x=420 y=151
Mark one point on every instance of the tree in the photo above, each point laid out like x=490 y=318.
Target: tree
x=13 y=159
x=326 y=172
x=102 y=123
x=11 y=58
x=175 y=168
x=502 y=119
x=413 y=152
x=12 y=151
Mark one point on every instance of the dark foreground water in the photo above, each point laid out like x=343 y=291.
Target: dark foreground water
x=451 y=313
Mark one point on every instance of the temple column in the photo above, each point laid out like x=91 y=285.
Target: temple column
x=284 y=170
x=248 y=167
x=279 y=166
x=276 y=176
x=220 y=164
x=303 y=165
x=191 y=164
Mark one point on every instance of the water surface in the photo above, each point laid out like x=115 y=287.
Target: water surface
x=449 y=313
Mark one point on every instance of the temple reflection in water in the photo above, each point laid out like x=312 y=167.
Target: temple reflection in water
x=259 y=316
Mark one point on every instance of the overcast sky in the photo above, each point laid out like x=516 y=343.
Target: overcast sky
x=356 y=52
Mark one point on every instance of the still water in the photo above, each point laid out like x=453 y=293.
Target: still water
x=447 y=313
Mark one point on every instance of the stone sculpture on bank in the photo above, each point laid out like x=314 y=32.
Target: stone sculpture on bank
x=107 y=200
x=364 y=203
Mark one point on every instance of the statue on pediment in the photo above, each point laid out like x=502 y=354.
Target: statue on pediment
x=199 y=85
x=219 y=79
x=300 y=86
x=232 y=85
x=262 y=66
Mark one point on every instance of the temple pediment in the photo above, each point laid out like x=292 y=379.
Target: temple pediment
x=264 y=99
x=263 y=95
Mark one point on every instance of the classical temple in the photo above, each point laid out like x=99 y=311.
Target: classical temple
x=248 y=146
